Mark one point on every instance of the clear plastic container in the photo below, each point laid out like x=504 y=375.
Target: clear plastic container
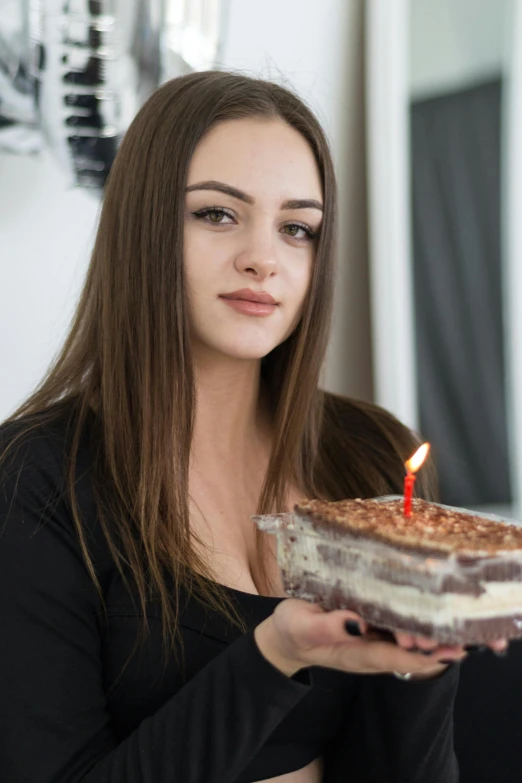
x=446 y=596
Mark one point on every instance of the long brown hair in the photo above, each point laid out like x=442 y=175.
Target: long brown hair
x=127 y=358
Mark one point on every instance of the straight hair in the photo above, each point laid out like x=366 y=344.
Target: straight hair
x=126 y=362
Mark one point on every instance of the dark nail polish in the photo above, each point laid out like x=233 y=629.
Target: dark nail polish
x=353 y=628
x=426 y=652
x=474 y=648
x=448 y=661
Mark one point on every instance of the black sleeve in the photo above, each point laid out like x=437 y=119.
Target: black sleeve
x=54 y=727
x=397 y=732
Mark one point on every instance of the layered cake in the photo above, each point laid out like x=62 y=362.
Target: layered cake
x=445 y=573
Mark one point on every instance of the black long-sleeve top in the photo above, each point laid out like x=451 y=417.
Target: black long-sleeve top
x=488 y=717
x=68 y=714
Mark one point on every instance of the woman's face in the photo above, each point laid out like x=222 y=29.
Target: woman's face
x=253 y=204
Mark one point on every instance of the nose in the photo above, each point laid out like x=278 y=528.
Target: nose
x=257 y=258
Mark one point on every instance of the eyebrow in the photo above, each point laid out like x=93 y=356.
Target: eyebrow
x=299 y=203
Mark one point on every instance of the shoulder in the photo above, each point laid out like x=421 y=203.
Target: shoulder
x=35 y=456
x=29 y=451
x=47 y=590
x=366 y=446
x=36 y=443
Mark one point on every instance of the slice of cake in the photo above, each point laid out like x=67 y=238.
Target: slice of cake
x=445 y=573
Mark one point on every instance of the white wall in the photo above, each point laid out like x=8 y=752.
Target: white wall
x=46 y=233
x=512 y=244
x=47 y=230
x=455 y=42
x=387 y=99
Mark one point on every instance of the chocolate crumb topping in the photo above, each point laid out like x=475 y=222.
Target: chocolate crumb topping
x=430 y=526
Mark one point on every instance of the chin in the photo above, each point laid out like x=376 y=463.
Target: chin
x=242 y=346
x=248 y=339
x=246 y=352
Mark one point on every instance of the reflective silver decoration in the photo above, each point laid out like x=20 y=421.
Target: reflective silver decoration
x=19 y=131
x=79 y=70
x=96 y=63
x=194 y=35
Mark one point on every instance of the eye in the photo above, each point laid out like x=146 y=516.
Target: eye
x=295 y=227
x=213 y=215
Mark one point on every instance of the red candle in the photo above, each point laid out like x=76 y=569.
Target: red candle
x=409 y=481
x=412 y=465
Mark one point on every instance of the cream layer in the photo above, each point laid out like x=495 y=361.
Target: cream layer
x=498 y=598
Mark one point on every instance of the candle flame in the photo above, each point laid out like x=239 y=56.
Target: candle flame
x=417 y=460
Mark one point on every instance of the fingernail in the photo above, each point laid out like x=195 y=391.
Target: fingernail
x=425 y=652
x=448 y=661
x=353 y=628
x=474 y=648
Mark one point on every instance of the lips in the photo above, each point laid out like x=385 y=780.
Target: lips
x=247 y=295
x=252 y=303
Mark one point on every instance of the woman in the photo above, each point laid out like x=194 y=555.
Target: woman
x=146 y=635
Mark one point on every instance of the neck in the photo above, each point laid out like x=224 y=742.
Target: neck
x=230 y=417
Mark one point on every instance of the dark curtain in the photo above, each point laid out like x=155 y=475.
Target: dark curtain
x=455 y=141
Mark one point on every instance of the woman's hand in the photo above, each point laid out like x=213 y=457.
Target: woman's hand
x=300 y=634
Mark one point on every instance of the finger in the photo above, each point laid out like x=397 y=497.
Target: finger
x=405 y=640
x=335 y=627
x=442 y=654
x=425 y=644
x=416 y=643
x=368 y=656
x=499 y=645
x=445 y=653
x=438 y=653
x=373 y=657
x=352 y=623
